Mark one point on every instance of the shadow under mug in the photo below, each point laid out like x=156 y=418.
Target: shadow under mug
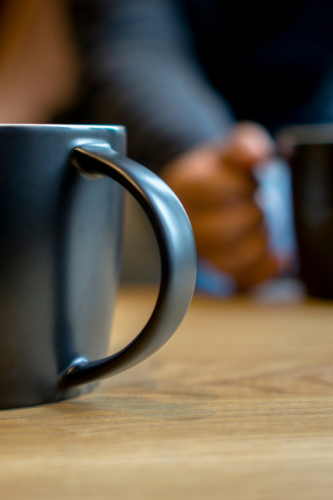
x=61 y=203
x=309 y=150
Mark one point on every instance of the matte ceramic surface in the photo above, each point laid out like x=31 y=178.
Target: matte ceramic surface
x=60 y=237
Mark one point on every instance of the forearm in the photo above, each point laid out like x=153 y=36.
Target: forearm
x=144 y=76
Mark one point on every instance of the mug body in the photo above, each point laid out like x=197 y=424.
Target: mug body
x=60 y=237
x=312 y=173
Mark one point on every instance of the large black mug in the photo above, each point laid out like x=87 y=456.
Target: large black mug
x=61 y=201
x=310 y=153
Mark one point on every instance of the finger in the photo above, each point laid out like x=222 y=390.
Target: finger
x=223 y=227
x=266 y=269
x=248 y=145
x=221 y=186
x=242 y=257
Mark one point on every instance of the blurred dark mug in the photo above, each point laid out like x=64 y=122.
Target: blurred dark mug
x=61 y=203
x=309 y=150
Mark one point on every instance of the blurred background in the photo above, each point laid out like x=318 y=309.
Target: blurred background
x=141 y=260
x=202 y=88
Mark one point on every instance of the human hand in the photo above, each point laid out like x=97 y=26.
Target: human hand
x=215 y=183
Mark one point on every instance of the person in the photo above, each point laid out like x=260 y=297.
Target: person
x=192 y=80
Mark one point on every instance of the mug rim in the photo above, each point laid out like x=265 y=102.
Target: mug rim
x=303 y=135
x=60 y=125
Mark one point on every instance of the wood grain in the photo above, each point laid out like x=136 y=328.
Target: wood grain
x=238 y=405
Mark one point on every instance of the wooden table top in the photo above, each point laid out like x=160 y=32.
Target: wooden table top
x=238 y=405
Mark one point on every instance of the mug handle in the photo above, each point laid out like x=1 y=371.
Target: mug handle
x=178 y=260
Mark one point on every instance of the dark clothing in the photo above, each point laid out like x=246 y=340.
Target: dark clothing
x=177 y=73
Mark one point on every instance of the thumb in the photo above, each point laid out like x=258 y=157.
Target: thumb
x=248 y=144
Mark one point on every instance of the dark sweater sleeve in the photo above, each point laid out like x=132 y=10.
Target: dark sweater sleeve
x=141 y=72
